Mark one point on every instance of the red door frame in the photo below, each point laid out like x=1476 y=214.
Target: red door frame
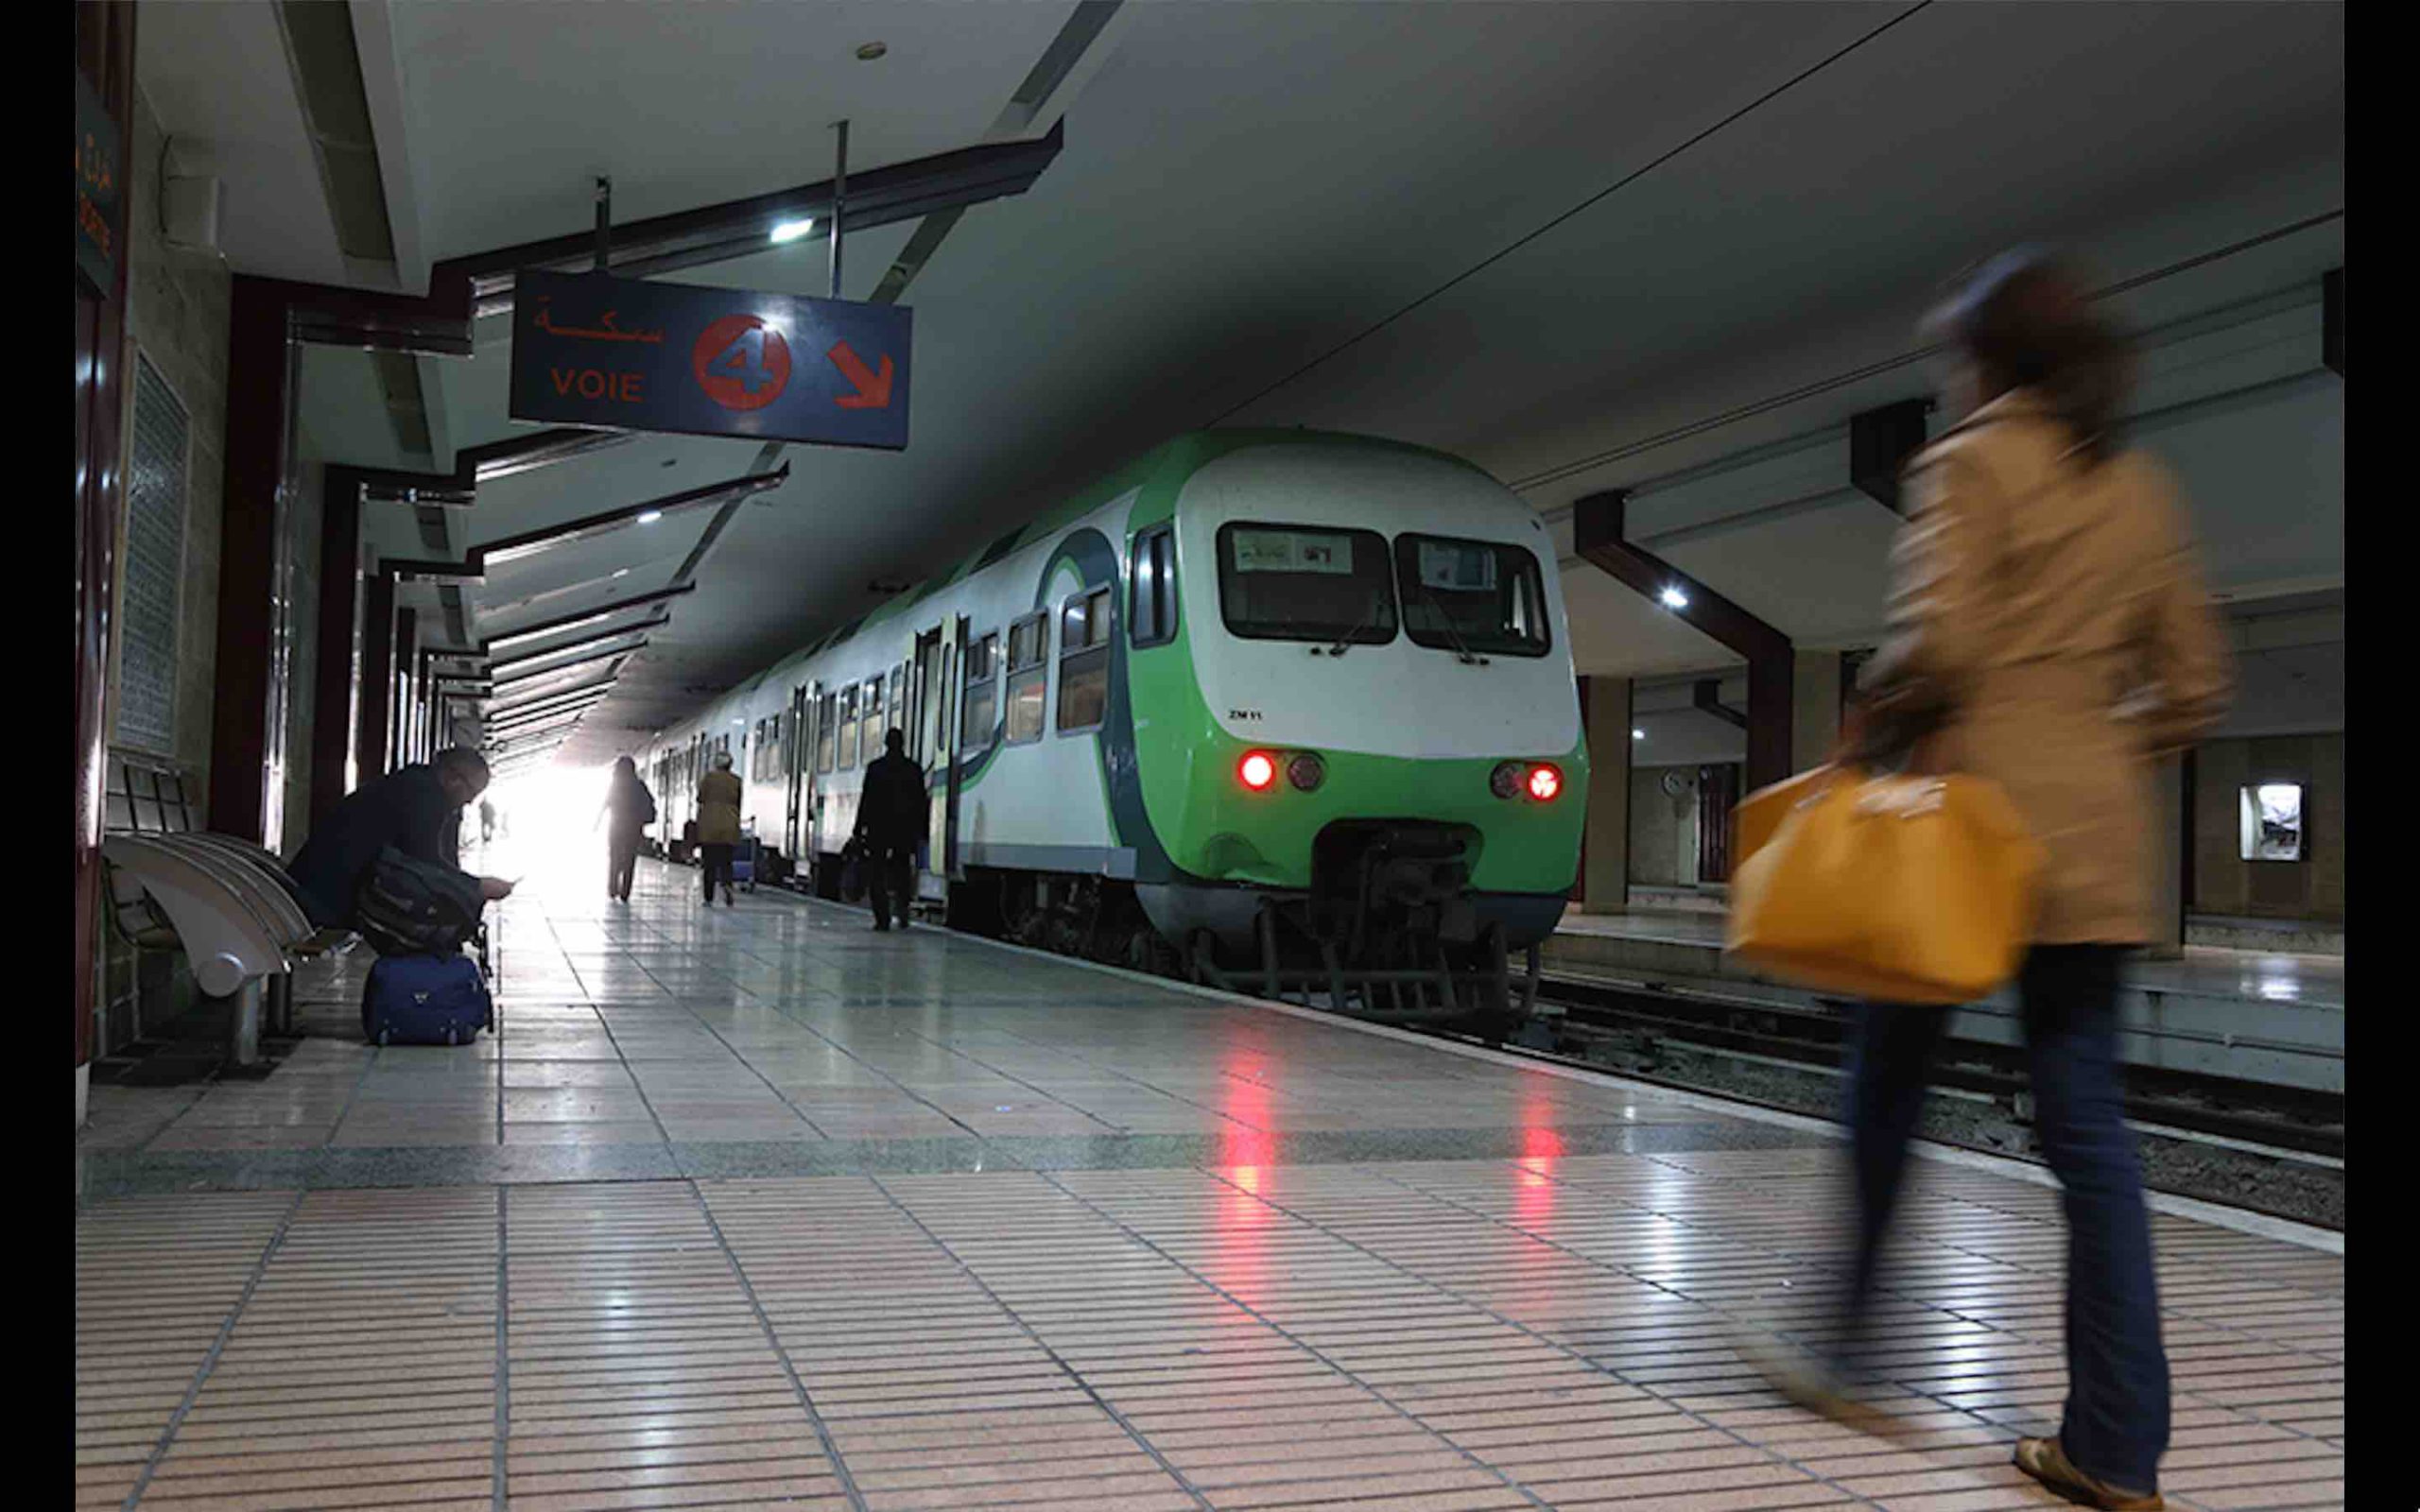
x=104 y=59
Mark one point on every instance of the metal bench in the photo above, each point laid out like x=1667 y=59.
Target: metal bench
x=225 y=901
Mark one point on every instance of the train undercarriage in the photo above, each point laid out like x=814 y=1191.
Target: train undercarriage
x=1389 y=929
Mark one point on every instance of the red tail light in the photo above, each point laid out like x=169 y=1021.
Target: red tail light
x=1545 y=783
x=1257 y=770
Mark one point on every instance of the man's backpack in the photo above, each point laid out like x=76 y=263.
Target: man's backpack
x=407 y=907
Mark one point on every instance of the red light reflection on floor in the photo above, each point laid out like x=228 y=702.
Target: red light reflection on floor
x=1542 y=1149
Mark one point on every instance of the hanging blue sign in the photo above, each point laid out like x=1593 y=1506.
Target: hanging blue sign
x=589 y=349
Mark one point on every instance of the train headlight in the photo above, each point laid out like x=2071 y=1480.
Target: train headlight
x=1545 y=782
x=1305 y=771
x=1257 y=770
x=1505 y=782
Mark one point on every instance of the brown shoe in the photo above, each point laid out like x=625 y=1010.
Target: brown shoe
x=2043 y=1459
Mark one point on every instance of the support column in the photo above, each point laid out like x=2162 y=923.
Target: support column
x=337 y=699
x=1816 y=682
x=2169 y=825
x=1597 y=530
x=406 y=655
x=1605 y=847
x=370 y=741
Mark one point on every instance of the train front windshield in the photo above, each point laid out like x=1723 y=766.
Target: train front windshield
x=1304 y=583
x=1481 y=597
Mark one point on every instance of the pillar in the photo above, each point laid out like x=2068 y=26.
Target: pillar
x=2167 y=839
x=1604 y=848
x=1814 y=708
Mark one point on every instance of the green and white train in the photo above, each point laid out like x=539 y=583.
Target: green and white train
x=1285 y=709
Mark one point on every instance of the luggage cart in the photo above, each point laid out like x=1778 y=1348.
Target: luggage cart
x=743 y=863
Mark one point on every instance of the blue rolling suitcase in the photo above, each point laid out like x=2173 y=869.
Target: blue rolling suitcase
x=425 y=999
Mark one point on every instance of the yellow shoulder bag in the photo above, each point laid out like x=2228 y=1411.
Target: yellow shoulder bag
x=1904 y=888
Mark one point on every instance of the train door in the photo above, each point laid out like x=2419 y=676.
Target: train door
x=929 y=685
x=799 y=775
x=952 y=742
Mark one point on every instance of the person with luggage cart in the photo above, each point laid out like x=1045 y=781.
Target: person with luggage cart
x=717 y=827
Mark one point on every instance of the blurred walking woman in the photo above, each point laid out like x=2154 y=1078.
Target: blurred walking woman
x=2049 y=632
x=631 y=809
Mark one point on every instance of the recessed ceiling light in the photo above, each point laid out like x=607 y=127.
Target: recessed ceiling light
x=791 y=231
x=868 y=52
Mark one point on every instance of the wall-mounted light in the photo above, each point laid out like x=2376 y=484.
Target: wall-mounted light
x=791 y=231
x=1674 y=598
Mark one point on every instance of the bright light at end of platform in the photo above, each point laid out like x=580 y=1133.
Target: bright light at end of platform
x=791 y=231
x=547 y=823
x=1674 y=598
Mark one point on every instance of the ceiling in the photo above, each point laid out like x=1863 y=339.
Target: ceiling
x=1532 y=233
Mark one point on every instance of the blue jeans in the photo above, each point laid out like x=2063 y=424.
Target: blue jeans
x=2116 y=1423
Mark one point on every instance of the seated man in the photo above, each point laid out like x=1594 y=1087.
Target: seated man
x=416 y=809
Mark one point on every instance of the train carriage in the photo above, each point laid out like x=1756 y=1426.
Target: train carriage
x=1285 y=709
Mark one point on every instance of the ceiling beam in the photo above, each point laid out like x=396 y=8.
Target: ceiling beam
x=743 y=227
x=1597 y=537
x=585 y=617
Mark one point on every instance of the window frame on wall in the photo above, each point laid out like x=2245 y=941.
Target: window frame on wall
x=1086 y=659
x=983 y=692
x=1034 y=672
x=127 y=634
x=1152 y=609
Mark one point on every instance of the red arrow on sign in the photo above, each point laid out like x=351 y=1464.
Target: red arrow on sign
x=874 y=389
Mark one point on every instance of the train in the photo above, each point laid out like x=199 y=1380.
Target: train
x=1285 y=710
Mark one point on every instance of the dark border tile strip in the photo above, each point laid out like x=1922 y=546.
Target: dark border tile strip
x=117 y=1172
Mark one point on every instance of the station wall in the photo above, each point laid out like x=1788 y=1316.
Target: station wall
x=177 y=308
x=2222 y=881
x=177 y=304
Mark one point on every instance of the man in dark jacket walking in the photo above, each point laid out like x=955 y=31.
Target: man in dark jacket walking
x=416 y=809
x=892 y=818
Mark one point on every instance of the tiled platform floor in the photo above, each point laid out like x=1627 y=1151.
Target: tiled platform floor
x=756 y=1207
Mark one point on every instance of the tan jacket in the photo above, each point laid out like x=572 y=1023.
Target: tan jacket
x=719 y=808
x=2061 y=608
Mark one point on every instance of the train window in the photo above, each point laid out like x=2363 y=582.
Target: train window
x=848 y=727
x=1298 y=583
x=1151 y=604
x=983 y=692
x=1029 y=669
x=776 y=762
x=1479 y=596
x=898 y=701
x=827 y=730
x=1083 y=660
x=870 y=726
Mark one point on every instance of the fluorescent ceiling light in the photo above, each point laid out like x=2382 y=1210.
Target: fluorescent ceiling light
x=791 y=231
